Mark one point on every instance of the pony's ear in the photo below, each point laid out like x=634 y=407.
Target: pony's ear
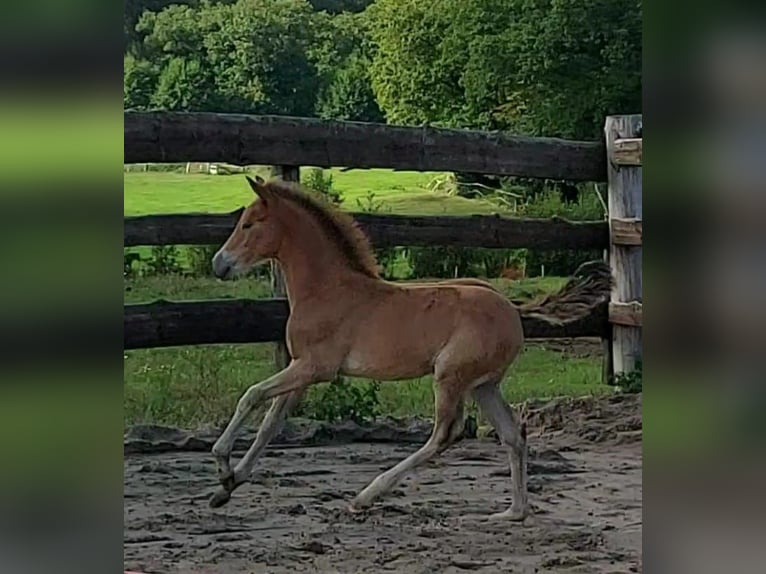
x=258 y=185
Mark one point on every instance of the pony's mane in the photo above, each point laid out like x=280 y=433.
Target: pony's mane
x=338 y=226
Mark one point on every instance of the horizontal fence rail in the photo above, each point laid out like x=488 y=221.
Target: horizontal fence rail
x=175 y=137
x=389 y=230
x=168 y=324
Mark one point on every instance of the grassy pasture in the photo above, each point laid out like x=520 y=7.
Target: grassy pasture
x=403 y=192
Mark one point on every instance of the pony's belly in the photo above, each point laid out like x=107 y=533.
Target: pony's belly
x=385 y=368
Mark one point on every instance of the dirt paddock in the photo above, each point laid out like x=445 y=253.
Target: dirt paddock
x=585 y=487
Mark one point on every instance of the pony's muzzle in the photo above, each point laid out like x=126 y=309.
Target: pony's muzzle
x=222 y=265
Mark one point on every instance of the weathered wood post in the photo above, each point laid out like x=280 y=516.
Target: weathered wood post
x=281 y=354
x=624 y=147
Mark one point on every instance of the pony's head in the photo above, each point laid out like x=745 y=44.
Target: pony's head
x=255 y=238
x=285 y=221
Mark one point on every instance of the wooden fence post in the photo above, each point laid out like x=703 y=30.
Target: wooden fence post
x=606 y=340
x=281 y=354
x=624 y=151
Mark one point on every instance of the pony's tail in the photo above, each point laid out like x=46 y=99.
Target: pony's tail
x=589 y=286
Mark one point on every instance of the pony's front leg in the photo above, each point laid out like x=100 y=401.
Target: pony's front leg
x=297 y=375
x=270 y=426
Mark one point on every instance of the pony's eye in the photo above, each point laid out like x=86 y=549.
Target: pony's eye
x=247 y=225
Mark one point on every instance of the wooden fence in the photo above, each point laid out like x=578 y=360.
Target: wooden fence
x=291 y=142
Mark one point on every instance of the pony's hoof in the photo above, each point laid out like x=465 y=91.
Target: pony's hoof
x=512 y=515
x=219 y=498
x=359 y=505
x=228 y=481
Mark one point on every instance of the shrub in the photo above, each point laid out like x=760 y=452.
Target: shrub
x=349 y=94
x=441 y=262
x=315 y=180
x=561 y=262
x=129 y=258
x=341 y=400
x=163 y=260
x=449 y=262
x=630 y=382
x=200 y=259
x=492 y=262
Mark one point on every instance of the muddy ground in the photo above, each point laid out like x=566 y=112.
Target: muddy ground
x=585 y=487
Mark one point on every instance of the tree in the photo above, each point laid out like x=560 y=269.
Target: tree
x=349 y=95
x=415 y=81
x=541 y=67
x=139 y=81
x=576 y=61
x=183 y=85
x=250 y=56
x=340 y=6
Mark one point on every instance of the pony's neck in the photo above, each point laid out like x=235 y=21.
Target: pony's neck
x=310 y=261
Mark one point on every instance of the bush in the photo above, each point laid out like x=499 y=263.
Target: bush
x=349 y=94
x=630 y=382
x=200 y=258
x=493 y=261
x=315 y=180
x=547 y=204
x=129 y=270
x=341 y=400
x=441 y=262
x=163 y=261
x=451 y=262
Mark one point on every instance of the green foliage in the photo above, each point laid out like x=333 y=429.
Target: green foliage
x=630 y=382
x=574 y=62
x=370 y=204
x=416 y=81
x=450 y=262
x=342 y=400
x=541 y=67
x=200 y=259
x=337 y=6
x=183 y=85
x=316 y=180
x=341 y=56
x=348 y=94
x=133 y=11
x=335 y=39
x=139 y=82
x=544 y=67
x=561 y=262
x=493 y=261
x=249 y=56
x=441 y=262
x=164 y=260
x=130 y=259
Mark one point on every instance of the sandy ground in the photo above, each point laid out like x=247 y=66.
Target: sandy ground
x=585 y=487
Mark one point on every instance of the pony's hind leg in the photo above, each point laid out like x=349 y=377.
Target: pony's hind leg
x=447 y=427
x=272 y=423
x=513 y=436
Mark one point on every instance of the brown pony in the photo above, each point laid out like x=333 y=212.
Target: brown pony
x=346 y=320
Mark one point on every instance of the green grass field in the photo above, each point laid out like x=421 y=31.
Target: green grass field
x=200 y=385
x=402 y=192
